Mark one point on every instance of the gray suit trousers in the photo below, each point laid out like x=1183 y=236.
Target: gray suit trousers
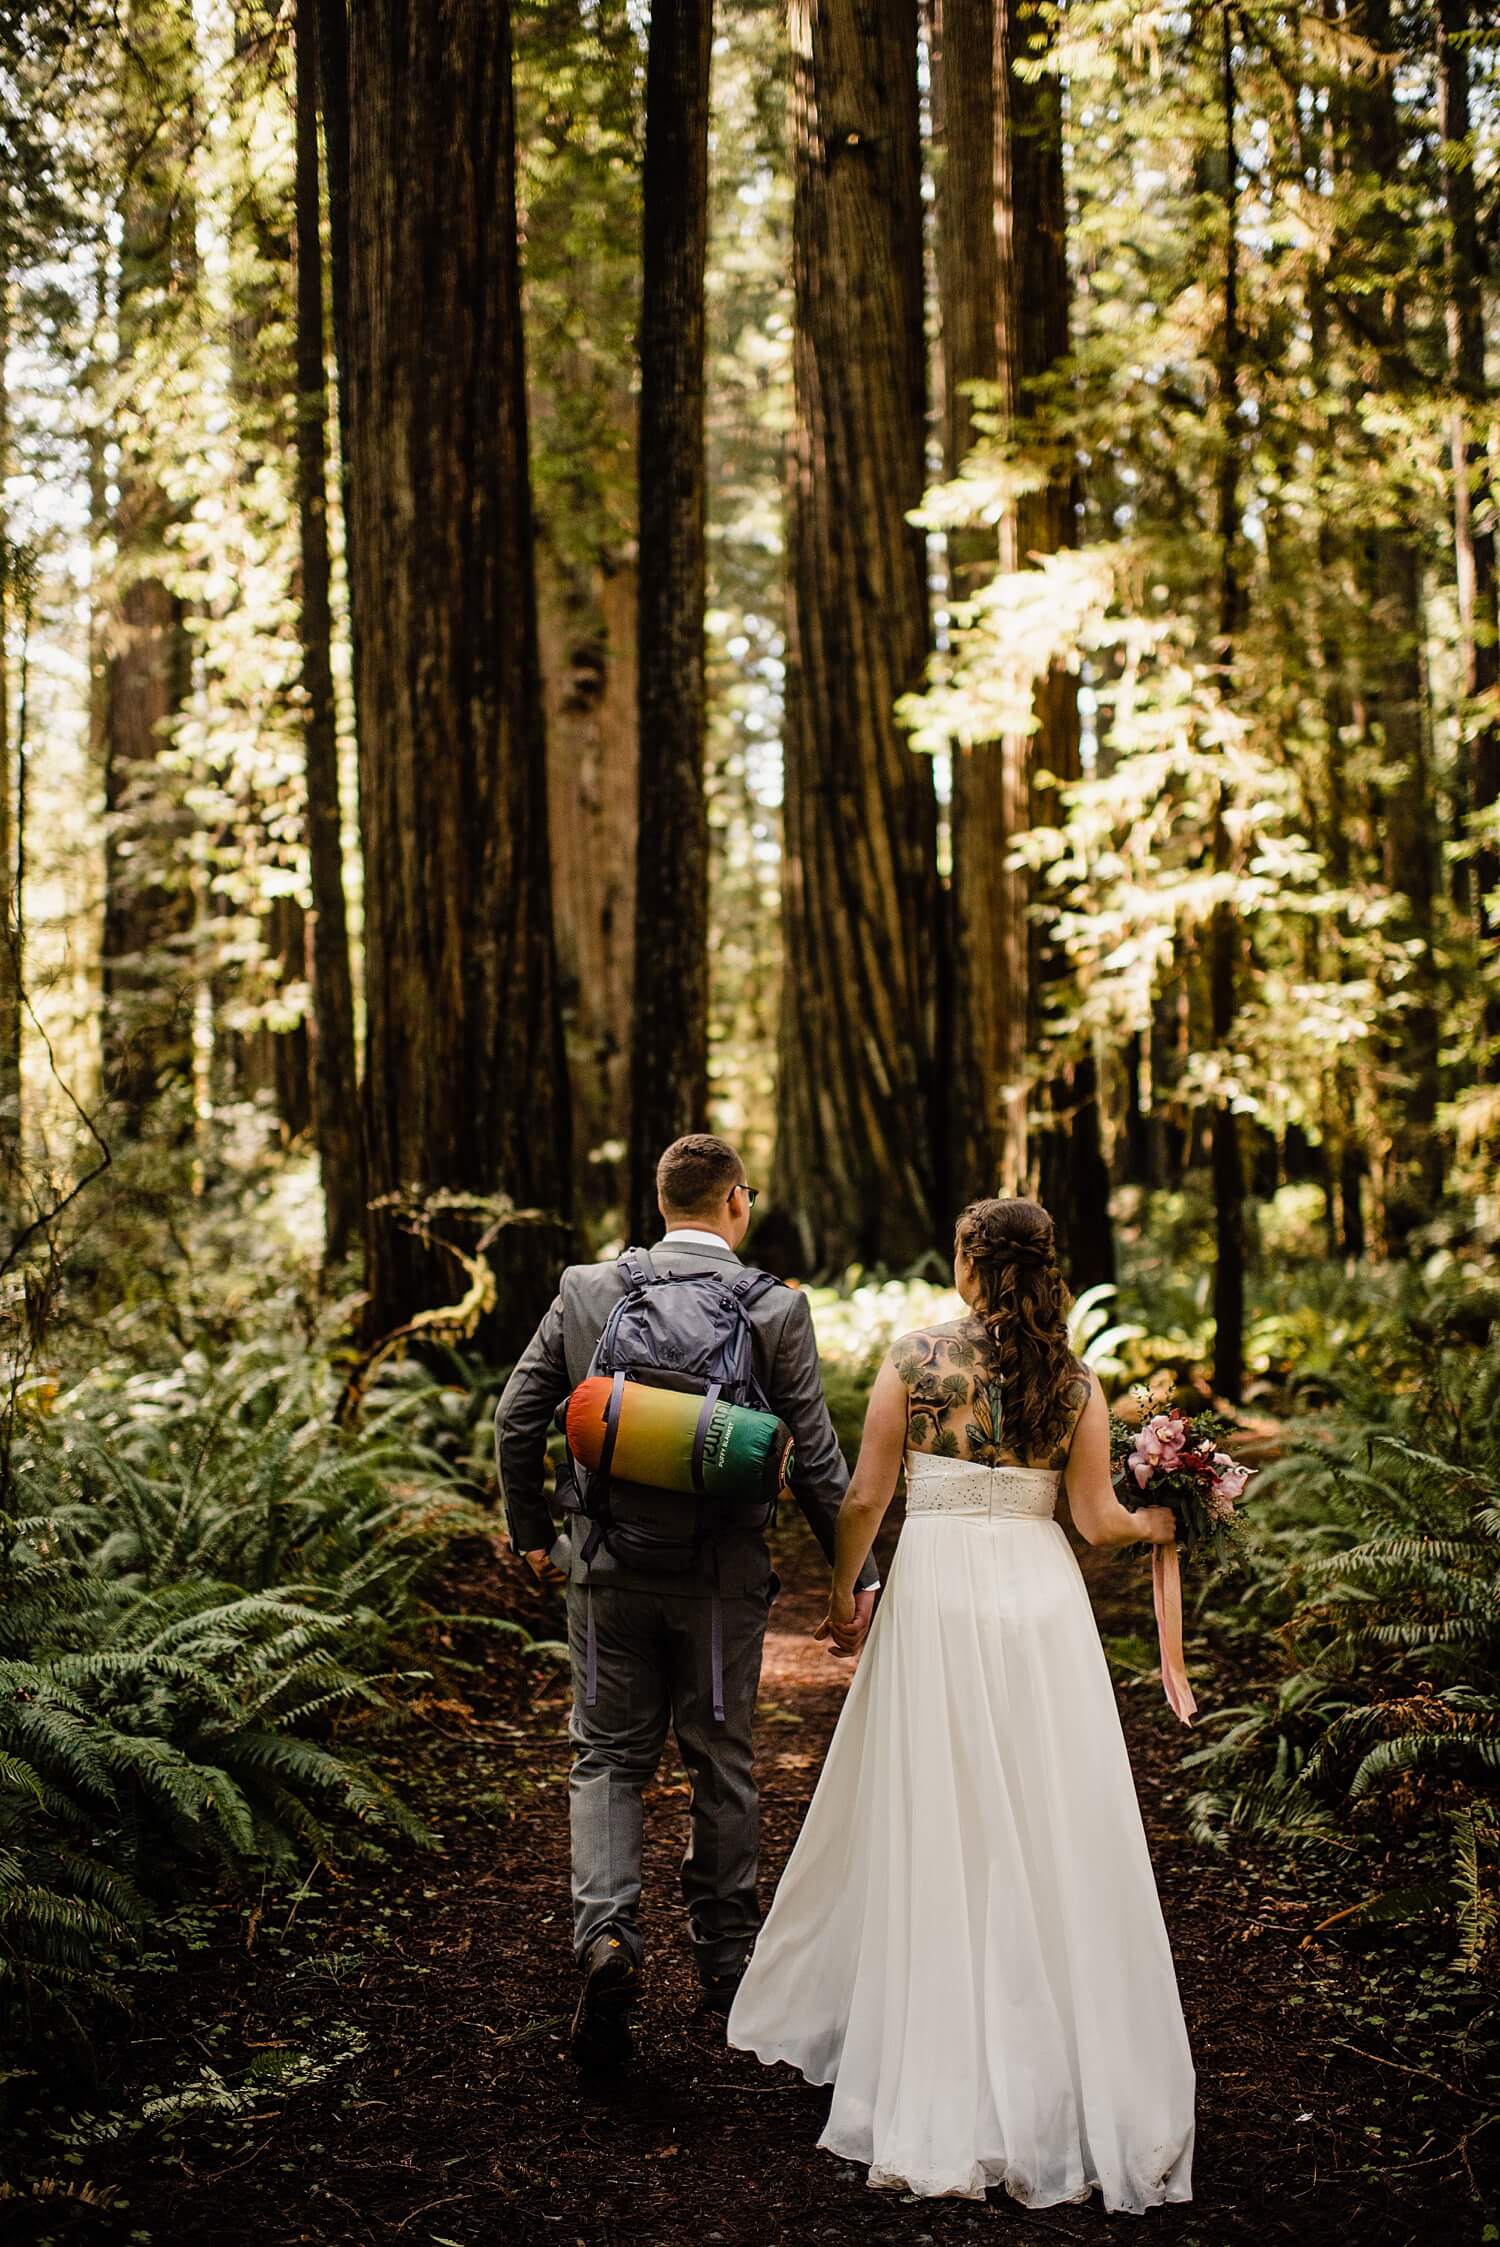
x=654 y=1671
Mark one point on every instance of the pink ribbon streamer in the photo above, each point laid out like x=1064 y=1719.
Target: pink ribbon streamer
x=1166 y=1591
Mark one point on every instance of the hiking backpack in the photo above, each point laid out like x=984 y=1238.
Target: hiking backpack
x=689 y=1331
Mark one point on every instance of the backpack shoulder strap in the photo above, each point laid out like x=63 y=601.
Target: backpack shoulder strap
x=638 y=1270
x=750 y=1285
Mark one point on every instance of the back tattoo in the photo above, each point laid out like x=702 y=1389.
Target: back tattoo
x=954 y=1396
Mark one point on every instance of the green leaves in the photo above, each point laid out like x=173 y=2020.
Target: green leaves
x=207 y=1574
x=1385 y=1577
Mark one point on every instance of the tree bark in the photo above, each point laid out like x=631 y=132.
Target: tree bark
x=288 y=927
x=148 y=905
x=258 y=212
x=1332 y=648
x=1335 y=946
x=986 y=1152
x=1036 y=303
x=10 y=915
x=1225 y=939
x=669 y=1033
x=465 y=1084
x=1473 y=540
x=858 y=1111
x=1395 y=686
x=336 y=1114
x=333 y=101
x=588 y=642
x=1391 y=569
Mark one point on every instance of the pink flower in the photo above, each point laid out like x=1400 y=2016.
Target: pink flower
x=1228 y=1483
x=1158 y=1445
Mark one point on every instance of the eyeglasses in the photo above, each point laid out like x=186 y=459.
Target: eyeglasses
x=749 y=1192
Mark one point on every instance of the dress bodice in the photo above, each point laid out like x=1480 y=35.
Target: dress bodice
x=939 y=1484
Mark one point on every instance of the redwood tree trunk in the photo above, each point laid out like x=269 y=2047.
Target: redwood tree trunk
x=10 y=900
x=669 y=1035
x=465 y=1086
x=333 y=102
x=857 y=1166
x=1473 y=539
x=146 y=976
x=1391 y=567
x=987 y=1138
x=1224 y=943
x=334 y=1075
x=1391 y=570
x=588 y=641
x=290 y=1051
x=1035 y=304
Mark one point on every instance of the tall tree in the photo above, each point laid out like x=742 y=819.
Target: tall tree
x=147 y=901
x=333 y=102
x=858 y=1125
x=1392 y=659
x=247 y=198
x=1224 y=936
x=1005 y=294
x=465 y=1086
x=335 y=1080
x=587 y=635
x=987 y=1151
x=10 y=918
x=1035 y=301
x=580 y=181
x=1473 y=525
x=669 y=1048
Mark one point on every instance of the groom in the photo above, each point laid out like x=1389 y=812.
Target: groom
x=652 y=1633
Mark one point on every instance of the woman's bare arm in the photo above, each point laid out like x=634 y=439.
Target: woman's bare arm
x=1098 y=1516
x=871 y=1486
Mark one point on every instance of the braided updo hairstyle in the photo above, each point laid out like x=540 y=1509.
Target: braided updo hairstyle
x=1023 y=1299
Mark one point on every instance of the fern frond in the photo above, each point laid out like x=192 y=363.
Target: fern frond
x=1458 y=1754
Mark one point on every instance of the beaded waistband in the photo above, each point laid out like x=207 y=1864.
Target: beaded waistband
x=936 y=1484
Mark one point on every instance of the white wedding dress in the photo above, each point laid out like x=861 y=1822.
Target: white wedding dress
x=967 y=1941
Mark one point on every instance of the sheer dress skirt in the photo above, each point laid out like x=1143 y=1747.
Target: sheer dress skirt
x=967 y=1943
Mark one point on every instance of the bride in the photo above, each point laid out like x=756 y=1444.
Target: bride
x=967 y=1942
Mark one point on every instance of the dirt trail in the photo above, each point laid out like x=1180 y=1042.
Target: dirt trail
x=453 y=2116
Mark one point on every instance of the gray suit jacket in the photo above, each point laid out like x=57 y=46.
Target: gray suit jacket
x=557 y=1358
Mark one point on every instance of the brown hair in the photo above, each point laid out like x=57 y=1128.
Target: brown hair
x=696 y=1175
x=1023 y=1301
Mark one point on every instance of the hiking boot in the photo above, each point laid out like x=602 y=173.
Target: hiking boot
x=600 y=2035
x=719 y=1989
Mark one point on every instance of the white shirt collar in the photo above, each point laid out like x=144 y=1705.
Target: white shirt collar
x=695 y=1236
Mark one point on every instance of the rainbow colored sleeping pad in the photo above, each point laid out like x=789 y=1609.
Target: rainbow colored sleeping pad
x=745 y=1454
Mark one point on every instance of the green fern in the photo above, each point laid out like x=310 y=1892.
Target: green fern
x=1382 y=1577
x=1476 y=1882
x=198 y=1575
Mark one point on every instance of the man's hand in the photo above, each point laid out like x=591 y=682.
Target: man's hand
x=847 y=1621
x=543 y=1567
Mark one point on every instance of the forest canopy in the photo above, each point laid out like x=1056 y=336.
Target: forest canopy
x=925 y=597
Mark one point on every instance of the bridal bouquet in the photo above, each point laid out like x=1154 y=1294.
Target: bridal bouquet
x=1172 y=1460
x=1176 y=1460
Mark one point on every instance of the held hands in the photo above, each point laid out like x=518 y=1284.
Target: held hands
x=847 y=1620
x=543 y=1567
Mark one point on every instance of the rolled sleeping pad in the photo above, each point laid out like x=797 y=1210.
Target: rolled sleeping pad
x=747 y=1455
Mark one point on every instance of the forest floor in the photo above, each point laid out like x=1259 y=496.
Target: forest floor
x=382 y=2060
